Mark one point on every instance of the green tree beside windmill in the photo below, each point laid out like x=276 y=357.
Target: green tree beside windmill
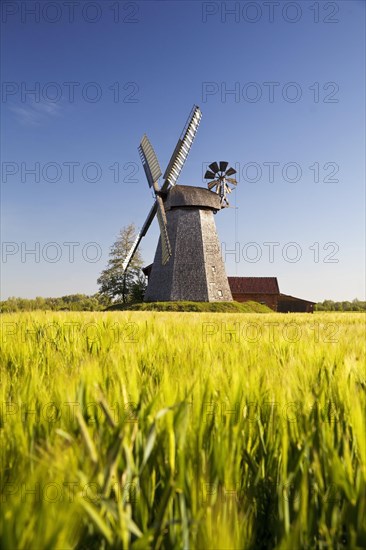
x=117 y=283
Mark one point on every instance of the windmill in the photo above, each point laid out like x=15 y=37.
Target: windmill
x=187 y=263
x=220 y=175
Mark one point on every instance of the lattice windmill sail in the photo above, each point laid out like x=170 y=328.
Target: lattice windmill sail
x=220 y=176
x=152 y=170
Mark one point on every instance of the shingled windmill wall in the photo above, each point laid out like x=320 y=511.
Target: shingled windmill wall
x=195 y=271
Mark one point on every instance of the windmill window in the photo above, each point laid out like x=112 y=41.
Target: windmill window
x=213 y=269
x=219 y=292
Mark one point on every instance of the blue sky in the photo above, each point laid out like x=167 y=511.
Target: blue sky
x=297 y=80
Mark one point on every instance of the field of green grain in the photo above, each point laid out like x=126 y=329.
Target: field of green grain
x=182 y=430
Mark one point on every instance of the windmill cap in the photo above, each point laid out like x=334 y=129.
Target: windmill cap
x=182 y=196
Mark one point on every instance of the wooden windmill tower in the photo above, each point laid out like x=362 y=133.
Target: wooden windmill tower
x=187 y=263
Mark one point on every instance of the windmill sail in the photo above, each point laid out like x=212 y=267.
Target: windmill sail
x=141 y=234
x=165 y=243
x=182 y=148
x=149 y=161
x=153 y=173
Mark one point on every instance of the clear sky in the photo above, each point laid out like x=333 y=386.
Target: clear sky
x=281 y=87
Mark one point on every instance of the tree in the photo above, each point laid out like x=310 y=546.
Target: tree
x=113 y=282
x=138 y=289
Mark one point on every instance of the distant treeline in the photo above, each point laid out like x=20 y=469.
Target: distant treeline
x=97 y=302
x=74 y=302
x=329 y=305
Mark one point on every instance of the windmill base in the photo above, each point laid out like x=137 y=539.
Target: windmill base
x=195 y=271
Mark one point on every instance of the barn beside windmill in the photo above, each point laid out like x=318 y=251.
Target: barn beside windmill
x=288 y=304
x=265 y=290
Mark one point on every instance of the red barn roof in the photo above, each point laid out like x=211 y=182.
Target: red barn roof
x=293 y=298
x=254 y=285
